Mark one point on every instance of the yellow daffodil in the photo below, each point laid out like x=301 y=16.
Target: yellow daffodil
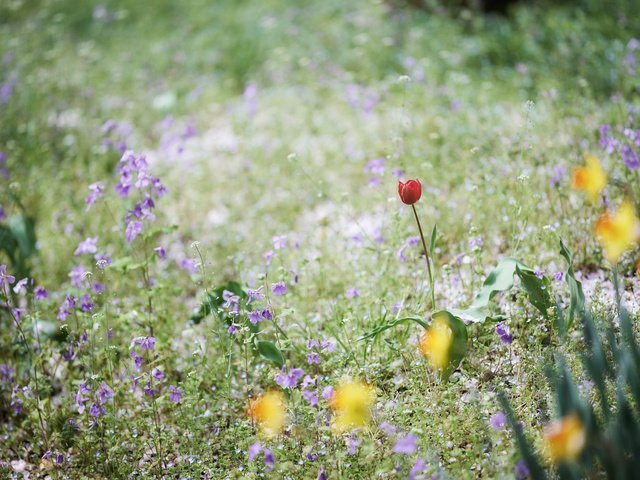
x=618 y=232
x=351 y=402
x=565 y=438
x=436 y=341
x=590 y=178
x=269 y=412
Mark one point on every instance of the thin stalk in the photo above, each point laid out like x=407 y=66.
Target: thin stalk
x=426 y=254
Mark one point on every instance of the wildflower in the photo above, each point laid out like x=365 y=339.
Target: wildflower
x=269 y=461
x=255 y=317
x=559 y=276
x=96 y=410
x=410 y=192
x=522 y=470
x=418 y=467
x=279 y=242
x=41 y=293
x=618 y=232
x=148 y=390
x=147 y=343
x=157 y=374
x=351 y=402
x=102 y=261
x=289 y=380
x=87 y=246
x=134 y=228
x=387 y=428
x=254 y=449
x=160 y=252
x=268 y=256
x=266 y=313
x=565 y=438
x=498 y=420
x=189 y=264
x=406 y=445
x=269 y=411
x=353 y=443
x=21 y=286
x=311 y=397
x=278 y=289
x=328 y=345
x=96 y=190
x=327 y=393
x=76 y=276
x=352 y=293
x=254 y=295
x=503 y=332
x=104 y=393
x=233 y=328
x=313 y=358
x=137 y=360
x=175 y=393
x=5 y=277
x=436 y=342
x=558 y=173
x=591 y=178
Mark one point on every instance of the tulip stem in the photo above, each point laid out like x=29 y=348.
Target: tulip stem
x=426 y=253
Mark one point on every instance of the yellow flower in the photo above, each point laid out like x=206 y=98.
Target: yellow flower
x=591 y=178
x=618 y=232
x=436 y=341
x=565 y=438
x=269 y=412
x=351 y=402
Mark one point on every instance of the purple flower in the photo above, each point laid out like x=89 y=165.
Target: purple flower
x=134 y=228
x=148 y=390
x=503 y=332
x=418 y=467
x=66 y=308
x=96 y=410
x=254 y=449
x=255 y=317
x=387 y=428
x=328 y=345
x=327 y=392
x=269 y=461
x=289 y=380
x=21 y=286
x=96 y=190
x=102 y=261
x=157 y=374
x=189 y=264
x=307 y=381
x=279 y=242
x=80 y=398
x=5 y=277
x=313 y=358
x=87 y=246
x=630 y=157
x=148 y=343
x=522 y=470
x=321 y=474
x=41 y=293
x=539 y=274
x=175 y=393
x=76 y=276
x=266 y=313
x=231 y=301
x=233 y=328
x=353 y=443
x=86 y=305
x=406 y=445
x=278 y=289
x=160 y=252
x=137 y=360
x=558 y=174
x=104 y=393
x=396 y=172
x=558 y=276
x=311 y=397
x=375 y=166
x=498 y=421
x=268 y=256
x=352 y=293
x=254 y=295
x=97 y=288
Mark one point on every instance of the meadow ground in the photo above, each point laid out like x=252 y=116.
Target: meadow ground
x=222 y=281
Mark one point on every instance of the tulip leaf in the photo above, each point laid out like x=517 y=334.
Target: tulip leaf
x=577 y=305
x=393 y=323
x=498 y=280
x=537 y=290
x=269 y=351
x=432 y=242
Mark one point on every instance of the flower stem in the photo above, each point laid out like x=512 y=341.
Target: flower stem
x=426 y=254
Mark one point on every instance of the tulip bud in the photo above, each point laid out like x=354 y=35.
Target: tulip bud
x=410 y=192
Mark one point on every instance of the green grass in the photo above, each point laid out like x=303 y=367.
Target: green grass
x=480 y=109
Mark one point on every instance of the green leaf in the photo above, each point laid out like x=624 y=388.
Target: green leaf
x=269 y=351
x=392 y=324
x=18 y=239
x=126 y=264
x=432 y=242
x=159 y=231
x=575 y=288
x=499 y=280
x=537 y=290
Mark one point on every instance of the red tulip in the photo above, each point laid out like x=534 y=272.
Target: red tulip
x=410 y=192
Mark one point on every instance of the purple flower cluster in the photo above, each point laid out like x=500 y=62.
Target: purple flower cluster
x=503 y=332
x=290 y=379
x=135 y=174
x=269 y=460
x=625 y=142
